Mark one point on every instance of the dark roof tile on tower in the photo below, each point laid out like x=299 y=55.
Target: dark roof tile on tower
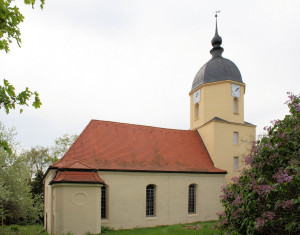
x=217 y=68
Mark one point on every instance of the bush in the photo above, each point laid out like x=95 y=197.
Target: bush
x=14 y=228
x=265 y=198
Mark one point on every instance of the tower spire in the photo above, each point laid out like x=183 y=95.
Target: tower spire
x=216 y=42
x=216 y=15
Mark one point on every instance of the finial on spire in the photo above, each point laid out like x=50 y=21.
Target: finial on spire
x=216 y=15
x=216 y=42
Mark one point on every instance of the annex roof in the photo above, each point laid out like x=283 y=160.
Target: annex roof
x=77 y=177
x=105 y=145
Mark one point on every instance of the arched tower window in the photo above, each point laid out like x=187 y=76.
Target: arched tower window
x=192 y=199
x=150 y=200
x=103 y=202
x=235 y=105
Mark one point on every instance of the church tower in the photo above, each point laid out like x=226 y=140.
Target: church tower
x=217 y=111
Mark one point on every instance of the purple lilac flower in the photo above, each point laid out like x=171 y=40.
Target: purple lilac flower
x=263 y=189
x=269 y=215
x=249 y=159
x=260 y=222
x=282 y=177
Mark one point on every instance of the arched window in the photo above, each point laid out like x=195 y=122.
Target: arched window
x=150 y=200
x=197 y=112
x=103 y=202
x=192 y=199
x=235 y=105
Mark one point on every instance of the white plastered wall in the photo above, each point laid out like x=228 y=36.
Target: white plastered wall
x=76 y=208
x=126 y=204
x=48 y=199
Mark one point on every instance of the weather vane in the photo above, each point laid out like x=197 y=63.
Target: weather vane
x=217 y=12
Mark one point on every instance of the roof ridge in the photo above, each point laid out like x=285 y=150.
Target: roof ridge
x=137 y=125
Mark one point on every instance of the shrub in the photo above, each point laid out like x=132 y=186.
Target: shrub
x=265 y=198
x=14 y=228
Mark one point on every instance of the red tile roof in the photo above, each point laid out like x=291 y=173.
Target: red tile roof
x=107 y=145
x=77 y=177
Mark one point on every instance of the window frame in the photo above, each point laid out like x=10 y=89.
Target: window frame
x=150 y=200
x=104 y=205
x=235 y=137
x=192 y=192
x=235 y=163
x=235 y=105
x=197 y=111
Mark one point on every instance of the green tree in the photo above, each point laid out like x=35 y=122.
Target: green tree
x=265 y=199
x=38 y=159
x=17 y=205
x=37 y=184
x=10 y=18
x=62 y=144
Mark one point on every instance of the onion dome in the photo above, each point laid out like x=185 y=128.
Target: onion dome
x=217 y=68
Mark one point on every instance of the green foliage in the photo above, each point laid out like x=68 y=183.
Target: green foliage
x=37 y=184
x=265 y=199
x=38 y=159
x=23 y=230
x=17 y=204
x=10 y=18
x=9 y=99
x=14 y=228
x=62 y=144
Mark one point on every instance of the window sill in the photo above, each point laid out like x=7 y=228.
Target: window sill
x=193 y=215
x=151 y=218
x=235 y=113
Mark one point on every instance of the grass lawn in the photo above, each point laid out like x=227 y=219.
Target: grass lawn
x=199 y=228
x=23 y=230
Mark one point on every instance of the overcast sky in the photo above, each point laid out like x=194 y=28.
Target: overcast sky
x=135 y=61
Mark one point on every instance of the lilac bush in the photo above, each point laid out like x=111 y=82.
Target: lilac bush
x=265 y=198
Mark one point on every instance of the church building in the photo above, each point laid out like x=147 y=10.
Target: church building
x=125 y=176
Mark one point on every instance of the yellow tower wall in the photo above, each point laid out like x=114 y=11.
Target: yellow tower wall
x=217 y=121
x=216 y=101
x=219 y=141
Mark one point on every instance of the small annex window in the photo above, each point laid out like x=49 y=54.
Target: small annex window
x=235 y=163
x=235 y=105
x=192 y=199
x=235 y=137
x=103 y=202
x=150 y=200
